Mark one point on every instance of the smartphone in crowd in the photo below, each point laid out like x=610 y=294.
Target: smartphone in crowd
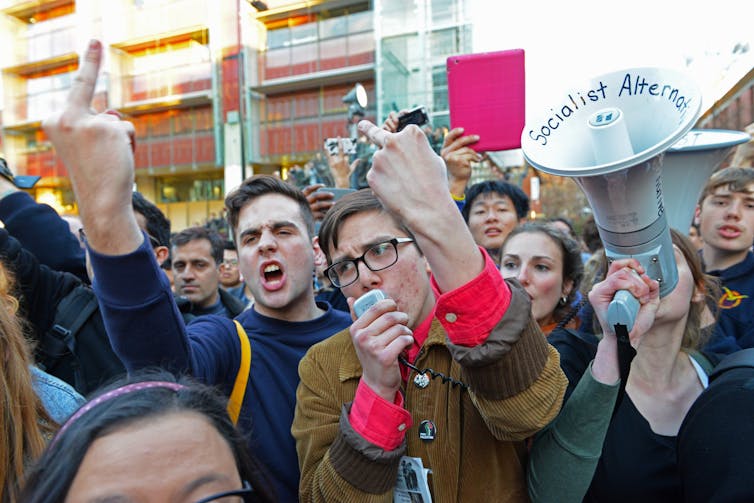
x=416 y=116
x=336 y=191
x=331 y=146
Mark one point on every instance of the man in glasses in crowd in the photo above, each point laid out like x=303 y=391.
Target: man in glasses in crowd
x=367 y=403
x=230 y=277
x=272 y=227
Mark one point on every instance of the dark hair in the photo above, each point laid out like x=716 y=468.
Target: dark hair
x=158 y=226
x=573 y=267
x=590 y=235
x=517 y=196
x=735 y=179
x=693 y=335
x=50 y=478
x=199 y=232
x=349 y=205
x=229 y=245
x=566 y=222
x=259 y=185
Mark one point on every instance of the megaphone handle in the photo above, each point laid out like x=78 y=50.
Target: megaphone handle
x=623 y=310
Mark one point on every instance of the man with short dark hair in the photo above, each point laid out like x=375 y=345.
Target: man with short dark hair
x=272 y=226
x=492 y=209
x=197 y=255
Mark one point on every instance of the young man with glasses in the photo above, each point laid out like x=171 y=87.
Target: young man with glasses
x=272 y=227
x=362 y=406
x=230 y=276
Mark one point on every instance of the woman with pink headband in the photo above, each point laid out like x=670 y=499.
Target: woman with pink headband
x=150 y=438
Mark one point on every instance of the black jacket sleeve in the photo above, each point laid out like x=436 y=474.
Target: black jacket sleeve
x=41 y=231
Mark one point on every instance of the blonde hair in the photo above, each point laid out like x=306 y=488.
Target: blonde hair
x=26 y=425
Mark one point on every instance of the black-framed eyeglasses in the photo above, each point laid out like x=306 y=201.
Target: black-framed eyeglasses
x=376 y=258
x=245 y=493
x=152 y=240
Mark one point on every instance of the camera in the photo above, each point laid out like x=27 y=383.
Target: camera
x=331 y=146
x=416 y=116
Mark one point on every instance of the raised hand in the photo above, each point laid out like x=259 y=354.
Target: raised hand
x=319 y=201
x=410 y=180
x=406 y=172
x=458 y=157
x=379 y=336
x=97 y=149
x=627 y=274
x=340 y=167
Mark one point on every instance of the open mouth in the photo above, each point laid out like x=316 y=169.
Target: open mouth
x=272 y=273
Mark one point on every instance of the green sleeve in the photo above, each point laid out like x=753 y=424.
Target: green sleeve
x=564 y=455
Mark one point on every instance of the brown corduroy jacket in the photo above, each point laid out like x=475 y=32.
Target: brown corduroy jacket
x=478 y=454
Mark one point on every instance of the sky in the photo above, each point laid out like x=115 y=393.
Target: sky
x=571 y=41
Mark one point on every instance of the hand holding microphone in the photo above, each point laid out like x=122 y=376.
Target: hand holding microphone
x=379 y=334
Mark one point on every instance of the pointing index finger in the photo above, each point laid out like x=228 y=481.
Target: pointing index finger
x=375 y=134
x=82 y=89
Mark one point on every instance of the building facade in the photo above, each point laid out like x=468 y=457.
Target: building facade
x=219 y=90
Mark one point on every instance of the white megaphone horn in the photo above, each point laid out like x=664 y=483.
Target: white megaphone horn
x=610 y=135
x=687 y=166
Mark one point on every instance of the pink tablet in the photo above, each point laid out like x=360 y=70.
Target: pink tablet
x=486 y=97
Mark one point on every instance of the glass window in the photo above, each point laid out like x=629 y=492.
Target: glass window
x=304 y=33
x=443 y=11
x=183 y=122
x=361 y=21
x=333 y=27
x=398 y=16
x=185 y=189
x=439 y=89
x=443 y=43
x=278 y=38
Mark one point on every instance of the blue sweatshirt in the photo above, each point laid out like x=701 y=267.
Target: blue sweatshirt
x=146 y=329
x=735 y=324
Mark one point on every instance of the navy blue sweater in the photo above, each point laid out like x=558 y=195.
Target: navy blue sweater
x=735 y=325
x=146 y=329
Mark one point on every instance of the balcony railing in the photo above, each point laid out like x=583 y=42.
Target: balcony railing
x=325 y=54
x=48 y=39
x=174 y=81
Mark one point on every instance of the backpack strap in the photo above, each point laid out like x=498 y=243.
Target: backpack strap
x=70 y=315
x=242 y=378
x=740 y=359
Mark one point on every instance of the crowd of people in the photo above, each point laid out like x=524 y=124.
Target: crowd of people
x=145 y=365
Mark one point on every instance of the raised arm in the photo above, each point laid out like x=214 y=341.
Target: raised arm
x=142 y=320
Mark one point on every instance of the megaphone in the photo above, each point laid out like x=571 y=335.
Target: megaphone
x=687 y=166
x=610 y=135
